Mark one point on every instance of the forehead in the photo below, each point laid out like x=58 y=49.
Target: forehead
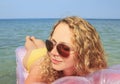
x=62 y=33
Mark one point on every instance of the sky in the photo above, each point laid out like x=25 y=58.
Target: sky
x=103 y=9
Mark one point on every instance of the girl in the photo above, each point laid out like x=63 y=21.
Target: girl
x=73 y=49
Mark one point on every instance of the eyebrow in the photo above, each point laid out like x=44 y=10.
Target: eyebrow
x=61 y=42
x=56 y=41
x=53 y=40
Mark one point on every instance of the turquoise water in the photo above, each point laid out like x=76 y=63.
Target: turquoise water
x=13 y=32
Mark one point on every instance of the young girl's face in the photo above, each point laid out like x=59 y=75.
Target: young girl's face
x=61 y=39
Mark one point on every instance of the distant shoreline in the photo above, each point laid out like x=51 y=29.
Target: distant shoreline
x=56 y=18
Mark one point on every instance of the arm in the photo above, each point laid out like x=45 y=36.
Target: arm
x=31 y=44
x=34 y=76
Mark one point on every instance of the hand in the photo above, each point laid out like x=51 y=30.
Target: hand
x=37 y=42
x=33 y=43
x=29 y=45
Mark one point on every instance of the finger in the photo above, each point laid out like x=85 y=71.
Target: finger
x=38 y=43
x=33 y=39
x=27 y=38
x=28 y=41
x=29 y=44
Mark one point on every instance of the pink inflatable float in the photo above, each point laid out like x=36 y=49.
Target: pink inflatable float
x=21 y=73
x=110 y=75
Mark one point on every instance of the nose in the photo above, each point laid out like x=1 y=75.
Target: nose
x=54 y=51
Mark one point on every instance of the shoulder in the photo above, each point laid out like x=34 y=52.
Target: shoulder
x=34 y=76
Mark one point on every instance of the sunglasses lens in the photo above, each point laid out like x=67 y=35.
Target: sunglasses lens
x=49 y=45
x=63 y=50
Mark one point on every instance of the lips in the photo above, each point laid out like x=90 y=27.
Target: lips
x=55 y=61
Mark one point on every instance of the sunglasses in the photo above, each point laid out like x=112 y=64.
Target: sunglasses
x=62 y=49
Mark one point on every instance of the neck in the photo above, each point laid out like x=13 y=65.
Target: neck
x=69 y=72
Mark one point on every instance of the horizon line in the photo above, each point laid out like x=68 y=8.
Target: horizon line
x=53 y=18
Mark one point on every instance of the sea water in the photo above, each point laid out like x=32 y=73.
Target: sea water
x=14 y=31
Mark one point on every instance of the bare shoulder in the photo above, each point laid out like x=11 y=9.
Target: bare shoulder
x=34 y=74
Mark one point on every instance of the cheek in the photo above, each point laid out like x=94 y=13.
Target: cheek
x=69 y=61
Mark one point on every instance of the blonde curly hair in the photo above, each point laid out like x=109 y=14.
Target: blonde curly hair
x=91 y=56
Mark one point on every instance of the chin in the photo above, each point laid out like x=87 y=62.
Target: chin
x=57 y=67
